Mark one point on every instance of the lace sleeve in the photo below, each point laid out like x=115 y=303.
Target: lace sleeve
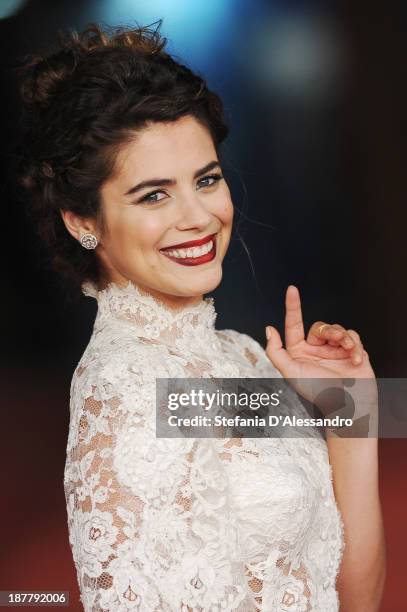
x=147 y=517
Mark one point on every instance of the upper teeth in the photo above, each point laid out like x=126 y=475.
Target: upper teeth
x=192 y=251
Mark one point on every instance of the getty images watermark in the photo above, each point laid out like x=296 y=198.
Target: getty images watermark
x=277 y=407
x=207 y=401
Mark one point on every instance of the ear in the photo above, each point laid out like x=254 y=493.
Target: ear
x=77 y=225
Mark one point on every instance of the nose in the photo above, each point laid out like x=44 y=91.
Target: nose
x=193 y=214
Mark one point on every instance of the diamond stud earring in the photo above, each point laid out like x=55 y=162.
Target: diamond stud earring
x=89 y=241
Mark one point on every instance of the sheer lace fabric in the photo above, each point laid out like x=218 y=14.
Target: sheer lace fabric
x=188 y=525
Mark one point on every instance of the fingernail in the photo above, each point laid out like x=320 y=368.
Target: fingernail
x=358 y=359
x=268 y=333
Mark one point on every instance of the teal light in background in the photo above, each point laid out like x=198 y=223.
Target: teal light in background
x=296 y=56
x=8 y=8
x=193 y=28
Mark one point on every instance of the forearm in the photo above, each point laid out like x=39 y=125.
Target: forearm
x=356 y=485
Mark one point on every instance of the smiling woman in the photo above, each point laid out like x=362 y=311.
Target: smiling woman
x=121 y=162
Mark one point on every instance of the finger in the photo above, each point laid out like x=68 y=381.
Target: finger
x=354 y=335
x=276 y=352
x=321 y=332
x=326 y=351
x=316 y=334
x=294 y=326
x=334 y=335
x=350 y=341
x=357 y=352
x=344 y=338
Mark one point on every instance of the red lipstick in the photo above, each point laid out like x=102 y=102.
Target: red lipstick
x=193 y=261
x=190 y=243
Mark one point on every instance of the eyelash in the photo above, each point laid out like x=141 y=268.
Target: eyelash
x=216 y=177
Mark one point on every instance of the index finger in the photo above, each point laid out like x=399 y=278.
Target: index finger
x=294 y=326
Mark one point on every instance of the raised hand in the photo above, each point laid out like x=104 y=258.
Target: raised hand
x=329 y=351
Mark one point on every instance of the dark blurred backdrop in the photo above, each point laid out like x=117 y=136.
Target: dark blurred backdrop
x=315 y=97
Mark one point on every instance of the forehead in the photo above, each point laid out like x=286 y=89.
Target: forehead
x=167 y=149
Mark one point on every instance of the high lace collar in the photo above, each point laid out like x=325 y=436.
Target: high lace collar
x=151 y=318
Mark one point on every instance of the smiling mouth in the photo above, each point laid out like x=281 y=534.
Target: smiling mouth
x=192 y=256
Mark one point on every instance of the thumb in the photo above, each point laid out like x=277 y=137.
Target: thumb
x=276 y=352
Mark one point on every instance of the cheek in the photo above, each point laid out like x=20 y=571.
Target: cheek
x=140 y=232
x=225 y=211
x=223 y=206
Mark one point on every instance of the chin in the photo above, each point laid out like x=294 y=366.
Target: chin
x=200 y=286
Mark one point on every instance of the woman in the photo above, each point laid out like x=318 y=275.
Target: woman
x=122 y=164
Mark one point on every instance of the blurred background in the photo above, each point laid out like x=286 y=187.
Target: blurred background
x=315 y=98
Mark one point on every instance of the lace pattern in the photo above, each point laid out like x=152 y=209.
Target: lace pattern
x=189 y=525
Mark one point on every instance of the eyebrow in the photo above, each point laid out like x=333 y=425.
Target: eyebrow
x=161 y=182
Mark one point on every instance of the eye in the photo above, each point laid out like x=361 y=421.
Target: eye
x=150 y=197
x=214 y=177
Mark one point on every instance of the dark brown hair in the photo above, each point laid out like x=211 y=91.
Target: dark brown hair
x=82 y=102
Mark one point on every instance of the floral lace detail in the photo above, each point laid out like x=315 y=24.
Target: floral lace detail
x=189 y=525
x=151 y=319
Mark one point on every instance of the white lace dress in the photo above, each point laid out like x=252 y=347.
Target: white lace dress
x=188 y=525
